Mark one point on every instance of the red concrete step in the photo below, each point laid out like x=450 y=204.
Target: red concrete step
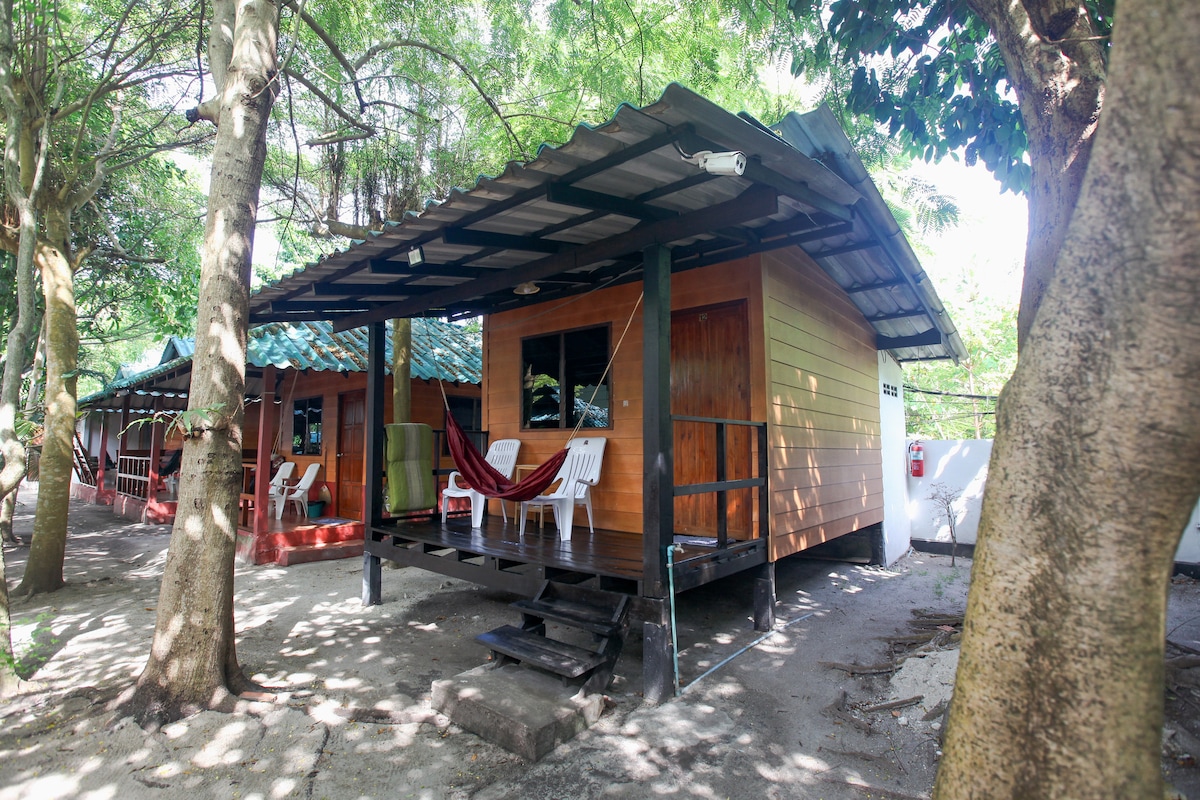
x=322 y=535
x=303 y=554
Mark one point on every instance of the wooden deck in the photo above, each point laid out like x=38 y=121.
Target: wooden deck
x=497 y=555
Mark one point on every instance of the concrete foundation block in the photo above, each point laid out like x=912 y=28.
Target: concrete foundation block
x=526 y=712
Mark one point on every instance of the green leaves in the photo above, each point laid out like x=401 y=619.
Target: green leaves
x=931 y=73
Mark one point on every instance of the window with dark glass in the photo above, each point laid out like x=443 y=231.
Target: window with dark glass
x=306 y=427
x=561 y=379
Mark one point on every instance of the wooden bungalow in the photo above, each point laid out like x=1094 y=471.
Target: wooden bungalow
x=305 y=403
x=754 y=297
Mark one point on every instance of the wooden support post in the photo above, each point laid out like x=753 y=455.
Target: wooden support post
x=262 y=454
x=157 y=430
x=658 y=663
x=372 y=587
x=123 y=437
x=764 y=598
x=103 y=459
x=373 y=443
x=658 y=468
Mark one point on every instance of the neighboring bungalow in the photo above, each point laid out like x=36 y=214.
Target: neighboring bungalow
x=315 y=381
x=734 y=298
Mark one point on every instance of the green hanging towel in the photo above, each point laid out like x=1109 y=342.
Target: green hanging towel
x=409 y=458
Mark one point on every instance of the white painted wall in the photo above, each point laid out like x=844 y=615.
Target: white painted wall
x=894 y=448
x=963 y=465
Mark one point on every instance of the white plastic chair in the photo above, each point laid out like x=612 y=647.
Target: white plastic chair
x=576 y=477
x=298 y=494
x=502 y=455
x=275 y=489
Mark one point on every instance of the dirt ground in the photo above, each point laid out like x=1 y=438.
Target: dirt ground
x=781 y=719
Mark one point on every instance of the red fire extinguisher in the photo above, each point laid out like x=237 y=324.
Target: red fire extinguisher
x=916 y=460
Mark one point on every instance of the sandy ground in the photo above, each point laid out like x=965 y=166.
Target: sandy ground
x=353 y=718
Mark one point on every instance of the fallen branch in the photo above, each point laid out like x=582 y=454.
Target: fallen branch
x=1183 y=662
x=837 y=710
x=910 y=701
x=933 y=622
x=916 y=638
x=936 y=711
x=1183 y=647
x=862 y=669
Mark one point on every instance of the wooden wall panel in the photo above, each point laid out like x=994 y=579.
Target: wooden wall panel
x=823 y=416
x=617 y=501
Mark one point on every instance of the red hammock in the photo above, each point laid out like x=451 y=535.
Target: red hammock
x=484 y=478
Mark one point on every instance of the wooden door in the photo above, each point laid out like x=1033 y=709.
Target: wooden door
x=352 y=415
x=710 y=377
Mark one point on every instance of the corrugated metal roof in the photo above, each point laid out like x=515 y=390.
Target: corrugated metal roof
x=440 y=350
x=578 y=216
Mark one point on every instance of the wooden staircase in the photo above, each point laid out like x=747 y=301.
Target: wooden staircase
x=603 y=615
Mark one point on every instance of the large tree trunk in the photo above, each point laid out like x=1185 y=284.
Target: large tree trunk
x=1056 y=65
x=44 y=569
x=1096 y=466
x=193 y=662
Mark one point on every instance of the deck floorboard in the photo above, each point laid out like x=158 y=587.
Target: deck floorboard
x=609 y=553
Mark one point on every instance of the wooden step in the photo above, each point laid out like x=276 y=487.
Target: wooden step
x=572 y=614
x=538 y=651
x=307 y=553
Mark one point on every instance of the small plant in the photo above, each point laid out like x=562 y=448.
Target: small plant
x=944 y=497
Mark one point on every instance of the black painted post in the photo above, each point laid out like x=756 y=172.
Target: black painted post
x=658 y=502
x=764 y=598
x=372 y=592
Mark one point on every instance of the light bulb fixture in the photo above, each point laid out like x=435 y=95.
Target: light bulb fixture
x=528 y=287
x=416 y=257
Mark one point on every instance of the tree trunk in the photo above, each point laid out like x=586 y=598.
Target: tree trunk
x=193 y=660
x=8 y=509
x=1058 y=72
x=1096 y=461
x=402 y=370
x=44 y=569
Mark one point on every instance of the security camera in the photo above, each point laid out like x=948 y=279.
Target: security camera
x=731 y=163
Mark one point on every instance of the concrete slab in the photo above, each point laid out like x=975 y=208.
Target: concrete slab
x=526 y=712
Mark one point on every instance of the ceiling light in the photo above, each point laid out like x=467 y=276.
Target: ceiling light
x=416 y=257
x=528 y=287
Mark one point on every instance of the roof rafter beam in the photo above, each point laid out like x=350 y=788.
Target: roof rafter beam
x=866 y=287
x=398 y=268
x=755 y=203
x=334 y=289
x=285 y=306
x=797 y=190
x=565 y=195
x=848 y=248
x=920 y=312
x=669 y=135
x=502 y=241
x=930 y=337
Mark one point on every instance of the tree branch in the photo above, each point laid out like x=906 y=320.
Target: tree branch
x=331 y=104
x=393 y=44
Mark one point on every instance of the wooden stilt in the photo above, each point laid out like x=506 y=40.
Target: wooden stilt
x=764 y=597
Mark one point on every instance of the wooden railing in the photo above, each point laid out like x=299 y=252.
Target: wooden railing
x=133 y=477
x=723 y=485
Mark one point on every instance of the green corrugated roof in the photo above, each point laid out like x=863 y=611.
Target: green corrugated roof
x=440 y=350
